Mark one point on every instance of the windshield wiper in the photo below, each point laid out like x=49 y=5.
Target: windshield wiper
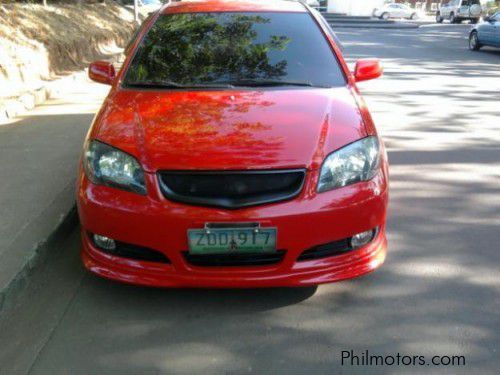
x=223 y=85
x=176 y=85
x=271 y=83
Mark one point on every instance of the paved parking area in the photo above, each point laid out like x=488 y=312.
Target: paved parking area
x=438 y=293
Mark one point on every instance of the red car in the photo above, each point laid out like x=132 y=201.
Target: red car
x=233 y=150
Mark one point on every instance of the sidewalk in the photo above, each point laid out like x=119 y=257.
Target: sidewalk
x=39 y=154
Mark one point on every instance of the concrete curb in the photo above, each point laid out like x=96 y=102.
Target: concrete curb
x=40 y=235
x=13 y=107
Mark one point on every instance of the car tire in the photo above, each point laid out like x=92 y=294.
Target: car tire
x=453 y=19
x=384 y=16
x=439 y=19
x=414 y=16
x=474 y=20
x=474 y=44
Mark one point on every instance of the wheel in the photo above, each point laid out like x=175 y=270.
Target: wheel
x=413 y=16
x=453 y=19
x=474 y=20
x=439 y=19
x=385 y=16
x=474 y=44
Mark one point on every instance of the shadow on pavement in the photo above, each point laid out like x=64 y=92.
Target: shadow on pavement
x=234 y=301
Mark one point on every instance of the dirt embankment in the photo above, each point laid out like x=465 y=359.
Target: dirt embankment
x=40 y=43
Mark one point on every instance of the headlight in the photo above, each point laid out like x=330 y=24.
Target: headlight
x=109 y=166
x=353 y=163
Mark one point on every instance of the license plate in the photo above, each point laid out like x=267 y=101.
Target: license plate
x=232 y=240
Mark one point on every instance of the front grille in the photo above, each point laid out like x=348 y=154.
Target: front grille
x=231 y=189
x=226 y=260
x=134 y=252
x=326 y=250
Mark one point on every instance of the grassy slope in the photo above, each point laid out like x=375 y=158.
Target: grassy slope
x=38 y=43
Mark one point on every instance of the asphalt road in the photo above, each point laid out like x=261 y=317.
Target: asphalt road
x=438 y=293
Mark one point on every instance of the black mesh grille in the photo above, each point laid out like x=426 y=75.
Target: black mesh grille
x=129 y=251
x=231 y=189
x=223 y=260
x=326 y=250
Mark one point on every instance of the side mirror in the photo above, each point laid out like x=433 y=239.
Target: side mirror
x=367 y=69
x=102 y=72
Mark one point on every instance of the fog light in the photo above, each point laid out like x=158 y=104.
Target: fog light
x=361 y=239
x=104 y=242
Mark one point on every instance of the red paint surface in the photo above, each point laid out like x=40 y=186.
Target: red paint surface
x=230 y=129
x=233 y=6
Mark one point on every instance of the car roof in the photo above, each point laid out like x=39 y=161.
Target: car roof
x=195 y=6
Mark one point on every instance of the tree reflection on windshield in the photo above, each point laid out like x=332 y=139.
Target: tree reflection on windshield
x=203 y=50
x=207 y=47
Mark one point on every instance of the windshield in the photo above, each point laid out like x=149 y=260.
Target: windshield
x=234 y=49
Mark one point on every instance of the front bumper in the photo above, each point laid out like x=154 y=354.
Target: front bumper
x=304 y=222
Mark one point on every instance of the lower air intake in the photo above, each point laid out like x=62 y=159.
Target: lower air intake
x=227 y=260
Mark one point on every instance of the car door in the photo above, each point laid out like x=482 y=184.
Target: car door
x=401 y=13
x=445 y=9
x=486 y=31
x=454 y=7
x=404 y=10
x=496 y=36
x=463 y=8
x=393 y=10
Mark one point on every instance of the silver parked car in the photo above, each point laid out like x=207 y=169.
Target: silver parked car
x=312 y=3
x=459 y=10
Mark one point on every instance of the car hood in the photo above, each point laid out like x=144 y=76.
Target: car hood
x=230 y=130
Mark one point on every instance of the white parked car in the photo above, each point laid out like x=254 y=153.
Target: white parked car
x=458 y=10
x=312 y=3
x=150 y=6
x=146 y=7
x=395 y=11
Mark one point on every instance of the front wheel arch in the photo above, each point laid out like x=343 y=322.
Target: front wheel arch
x=474 y=44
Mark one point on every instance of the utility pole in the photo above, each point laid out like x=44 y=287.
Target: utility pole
x=136 y=11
